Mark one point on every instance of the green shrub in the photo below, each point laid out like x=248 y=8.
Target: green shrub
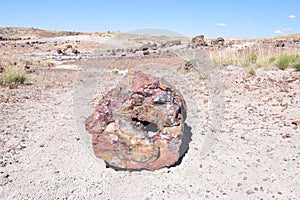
x=297 y=65
x=115 y=71
x=14 y=75
x=47 y=85
x=251 y=72
x=272 y=59
x=285 y=61
x=28 y=62
x=252 y=57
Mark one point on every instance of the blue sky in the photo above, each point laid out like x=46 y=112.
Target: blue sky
x=213 y=18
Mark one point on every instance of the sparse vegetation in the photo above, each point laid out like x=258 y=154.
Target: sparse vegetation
x=297 y=65
x=115 y=71
x=251 y=72
x=28 y=62
x=272 y=59
x=47 y=85
x=202 y=75
x=252 y=57
x=257 y=59
x=285 y=61
x=13 y=75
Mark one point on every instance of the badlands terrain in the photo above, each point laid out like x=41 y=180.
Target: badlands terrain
x=243 y=115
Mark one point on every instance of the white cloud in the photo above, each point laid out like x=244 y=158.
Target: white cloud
x=282 y=30
x=292 y=17
x=221 y=24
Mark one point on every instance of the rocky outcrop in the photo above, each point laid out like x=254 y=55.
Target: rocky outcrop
x=139 y=124
x=199 y=40
x=279 y=43
x=218 y=42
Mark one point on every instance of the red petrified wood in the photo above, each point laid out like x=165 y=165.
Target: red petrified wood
x=139 y=124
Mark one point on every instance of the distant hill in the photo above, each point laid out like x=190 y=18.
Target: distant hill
x=14 y=32
x=289 y=36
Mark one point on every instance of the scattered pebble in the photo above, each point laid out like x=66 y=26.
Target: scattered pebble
x=249 y=192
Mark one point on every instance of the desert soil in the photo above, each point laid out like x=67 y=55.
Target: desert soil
x=46 y=154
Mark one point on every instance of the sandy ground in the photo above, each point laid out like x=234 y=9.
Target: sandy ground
x=45 y=153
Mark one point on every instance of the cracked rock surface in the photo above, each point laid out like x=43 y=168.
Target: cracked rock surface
x=139 y=124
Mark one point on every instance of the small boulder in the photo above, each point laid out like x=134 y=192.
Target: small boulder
x=199 y=40
x=59 y=51
x=138 y=125
x=75 y=51
x=145 y=53
x=2 y=69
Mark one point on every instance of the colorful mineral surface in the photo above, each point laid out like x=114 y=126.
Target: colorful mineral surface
x=139 y=124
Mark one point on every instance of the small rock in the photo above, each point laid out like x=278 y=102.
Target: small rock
x=296 y=122
x=250 y=192
x=12 y=148
x=287 y=135
x=5 y=176
x=145 y=53
x=75 y=51
x=2 y=69
x=59 y=51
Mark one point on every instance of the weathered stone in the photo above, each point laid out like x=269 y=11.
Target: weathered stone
x=59 y=51
x=279 y=43
x=199 y=40
x=2 y=69
x=145 y=53
x=219 y=41
x=139 y=124
x=75 y=51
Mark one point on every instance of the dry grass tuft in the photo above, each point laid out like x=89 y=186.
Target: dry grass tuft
x=13 y=75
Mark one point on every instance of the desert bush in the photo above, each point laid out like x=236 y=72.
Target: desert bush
x=251 y=72
x=260 y=57
x=252 y=57
x=272 y=59
x=225 y=61
x=13 y=75
x=47 y=85
x=115 y=71
x=297 y=65
x=285 y=61
x=28 y=62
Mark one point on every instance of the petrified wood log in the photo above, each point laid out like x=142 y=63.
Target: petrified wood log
x=139 y=124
